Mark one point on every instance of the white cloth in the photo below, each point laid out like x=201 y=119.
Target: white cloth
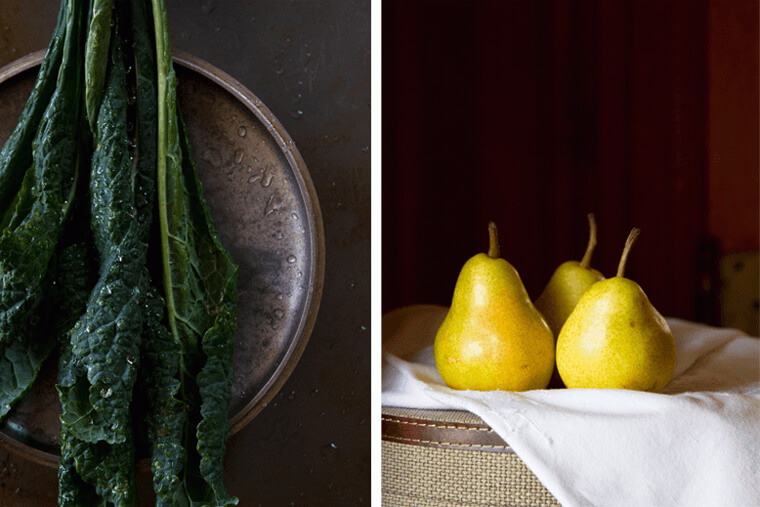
x=695 y=444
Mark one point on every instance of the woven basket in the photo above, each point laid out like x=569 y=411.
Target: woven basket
x=445 y=457
x=442 y=457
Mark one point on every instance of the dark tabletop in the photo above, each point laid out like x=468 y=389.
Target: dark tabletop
x=309 y=62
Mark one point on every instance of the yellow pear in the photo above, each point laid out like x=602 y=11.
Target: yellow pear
x=565 y=288
x=567 y=284
x=615 y=338
x=493 y=337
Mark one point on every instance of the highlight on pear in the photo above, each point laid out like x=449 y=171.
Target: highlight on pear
x=493 y=337
x=565 y=288
x=608 y=333
x=615 y=338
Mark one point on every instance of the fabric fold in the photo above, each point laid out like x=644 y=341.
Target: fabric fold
x=696 y=443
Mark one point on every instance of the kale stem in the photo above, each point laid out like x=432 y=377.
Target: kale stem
x=162 y=71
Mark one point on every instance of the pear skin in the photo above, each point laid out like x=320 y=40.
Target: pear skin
x=616 y=339
x=567 y=284
x=493 y=337
x=563 y=291
x=565 y=288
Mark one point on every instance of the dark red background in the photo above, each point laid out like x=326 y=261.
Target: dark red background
x=534 y=113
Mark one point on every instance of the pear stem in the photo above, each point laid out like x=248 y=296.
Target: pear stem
x=626 y=250
x=591 y=241
x=494 y=251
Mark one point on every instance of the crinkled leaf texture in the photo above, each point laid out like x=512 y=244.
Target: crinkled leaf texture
x=98 y=364
x=34 y=221
x=16 y=154
x=199 y=283
x=105 y=341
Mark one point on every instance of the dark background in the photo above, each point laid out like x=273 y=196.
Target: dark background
x=534 y=113
x=309 y=62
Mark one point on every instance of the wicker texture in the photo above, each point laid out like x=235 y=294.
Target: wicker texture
x=454 y=416
x=414 y=475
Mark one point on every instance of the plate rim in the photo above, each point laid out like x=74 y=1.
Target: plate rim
x=316 y=240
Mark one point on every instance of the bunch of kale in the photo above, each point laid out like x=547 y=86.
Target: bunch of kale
x=108 y=251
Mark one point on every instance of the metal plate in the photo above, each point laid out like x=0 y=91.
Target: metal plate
x=266 y=211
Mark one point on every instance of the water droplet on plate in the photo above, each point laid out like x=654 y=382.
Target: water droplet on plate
x=296 y=114
x=242 y=131
x=273 y=204
x=266 y=179
x=239 y=154
x=292 y=259
x=279 y=314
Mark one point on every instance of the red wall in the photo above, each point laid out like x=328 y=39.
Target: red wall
x=733 y=124
x=533 y=114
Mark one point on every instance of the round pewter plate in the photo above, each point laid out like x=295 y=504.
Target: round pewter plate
x=267 y=215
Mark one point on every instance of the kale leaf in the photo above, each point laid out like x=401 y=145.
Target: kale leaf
x=105 y=341
x=16 y=154
x=105 y=99
x=199 y=283
x=28 y=242
x=96 y=56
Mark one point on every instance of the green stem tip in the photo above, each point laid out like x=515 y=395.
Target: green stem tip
x=626 y=250
x=494 y=251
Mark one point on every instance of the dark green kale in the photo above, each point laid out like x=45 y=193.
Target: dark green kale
x=105 y=98
x=16 y=155
x=29 y=240
x=167 y=411
x=105 y=341
x=199 y=284
x=96 y=56
x=218 y=279
x=22 y=358
x=96 y=473
x=146 y=105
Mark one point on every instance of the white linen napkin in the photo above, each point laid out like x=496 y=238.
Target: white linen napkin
x=696 y=443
